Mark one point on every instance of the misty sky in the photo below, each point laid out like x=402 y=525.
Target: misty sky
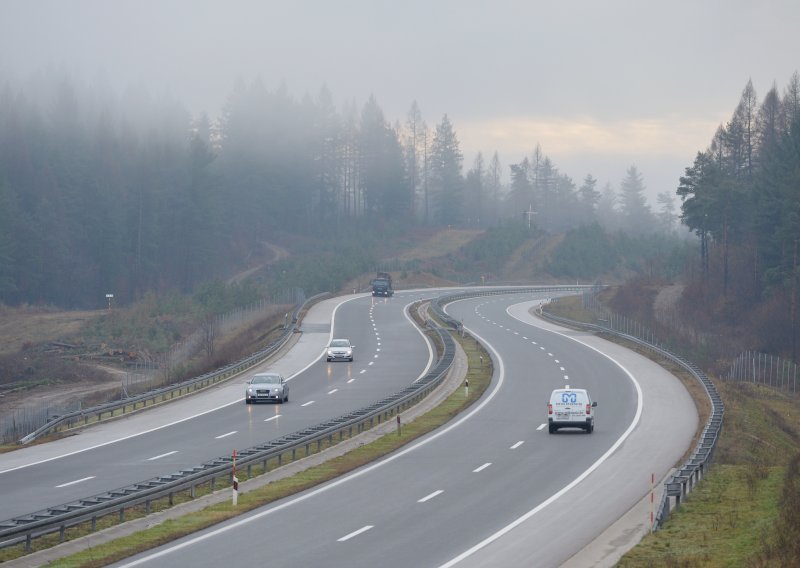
x=600 y=84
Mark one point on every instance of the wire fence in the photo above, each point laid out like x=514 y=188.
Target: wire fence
x=766 y=369
x=144 y=376
x=749 y=366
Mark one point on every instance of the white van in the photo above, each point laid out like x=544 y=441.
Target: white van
x=570 y=408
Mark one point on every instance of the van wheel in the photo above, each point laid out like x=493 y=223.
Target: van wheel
x=590 y=429
x=551 y=429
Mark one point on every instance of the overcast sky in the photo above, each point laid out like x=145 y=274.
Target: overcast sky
x=599 y=84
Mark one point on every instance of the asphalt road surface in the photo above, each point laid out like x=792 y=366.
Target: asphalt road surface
x=492 y=488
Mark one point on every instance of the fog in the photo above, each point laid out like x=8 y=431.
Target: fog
x=599 y=85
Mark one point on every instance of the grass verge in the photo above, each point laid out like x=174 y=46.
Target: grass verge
x=479 y=376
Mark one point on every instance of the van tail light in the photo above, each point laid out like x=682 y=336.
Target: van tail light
x=588 y=409
x=549 y=409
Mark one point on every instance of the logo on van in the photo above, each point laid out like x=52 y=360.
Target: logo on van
x=569 y=398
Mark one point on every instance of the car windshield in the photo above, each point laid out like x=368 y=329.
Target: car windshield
x=266 y=380
x=340 y=343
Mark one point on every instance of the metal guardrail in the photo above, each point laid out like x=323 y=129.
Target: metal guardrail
x=680 y=483
x=59 y=518
x=126 y=406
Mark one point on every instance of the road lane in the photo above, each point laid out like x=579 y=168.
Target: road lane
x=184 y=443
x=574 y=482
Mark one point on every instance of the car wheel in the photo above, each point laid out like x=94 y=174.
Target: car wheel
x=247 y=401
x=286 y=398
x=351 y=359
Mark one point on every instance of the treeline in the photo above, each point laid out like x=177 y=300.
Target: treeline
x=126 y=194
x=741 y=196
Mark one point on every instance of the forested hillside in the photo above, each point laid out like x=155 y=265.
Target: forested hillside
x=129 y=194
x=741 y=196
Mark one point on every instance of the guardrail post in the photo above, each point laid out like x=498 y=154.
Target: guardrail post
x=61 y=530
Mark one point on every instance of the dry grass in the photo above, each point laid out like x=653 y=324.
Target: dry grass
x=26 y=325
x=441 y=243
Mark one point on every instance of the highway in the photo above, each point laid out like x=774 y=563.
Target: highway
x=492 y=488
x=182 y=434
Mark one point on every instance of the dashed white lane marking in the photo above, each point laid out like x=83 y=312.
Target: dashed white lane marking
x=549 y=354
x=271 y=418
x=226 y=435
x=332 y=391
x=523 y=337
x=351 y=380
x=541 y=427
x=566 y=377
x=375 y=356
x=162 y=456
x=74 y=482
x=355 y=533
x=431 y=496
x=484 y=466
x=362 y=371
x=307 y=403
x=517 y=445
x=562 y=368
x=371 y=363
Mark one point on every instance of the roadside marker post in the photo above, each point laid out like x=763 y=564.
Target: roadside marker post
x=235 y=489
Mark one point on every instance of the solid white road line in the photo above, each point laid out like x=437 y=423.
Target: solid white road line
x=355 y=533
x=307 y=403
x=431 y=496
x=484 y=466
x=74 y=482
x=517 y=445
x=162 y=456
x=271 y=418
x=226 y=435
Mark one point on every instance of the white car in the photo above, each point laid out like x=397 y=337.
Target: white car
x=266 y=387
x=339 y=350
x=570 y=408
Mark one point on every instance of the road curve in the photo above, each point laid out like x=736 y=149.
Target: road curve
x=492 y=488
x=211 y=424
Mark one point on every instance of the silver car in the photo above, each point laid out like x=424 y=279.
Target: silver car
x=266 y=387
x=339 y=350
